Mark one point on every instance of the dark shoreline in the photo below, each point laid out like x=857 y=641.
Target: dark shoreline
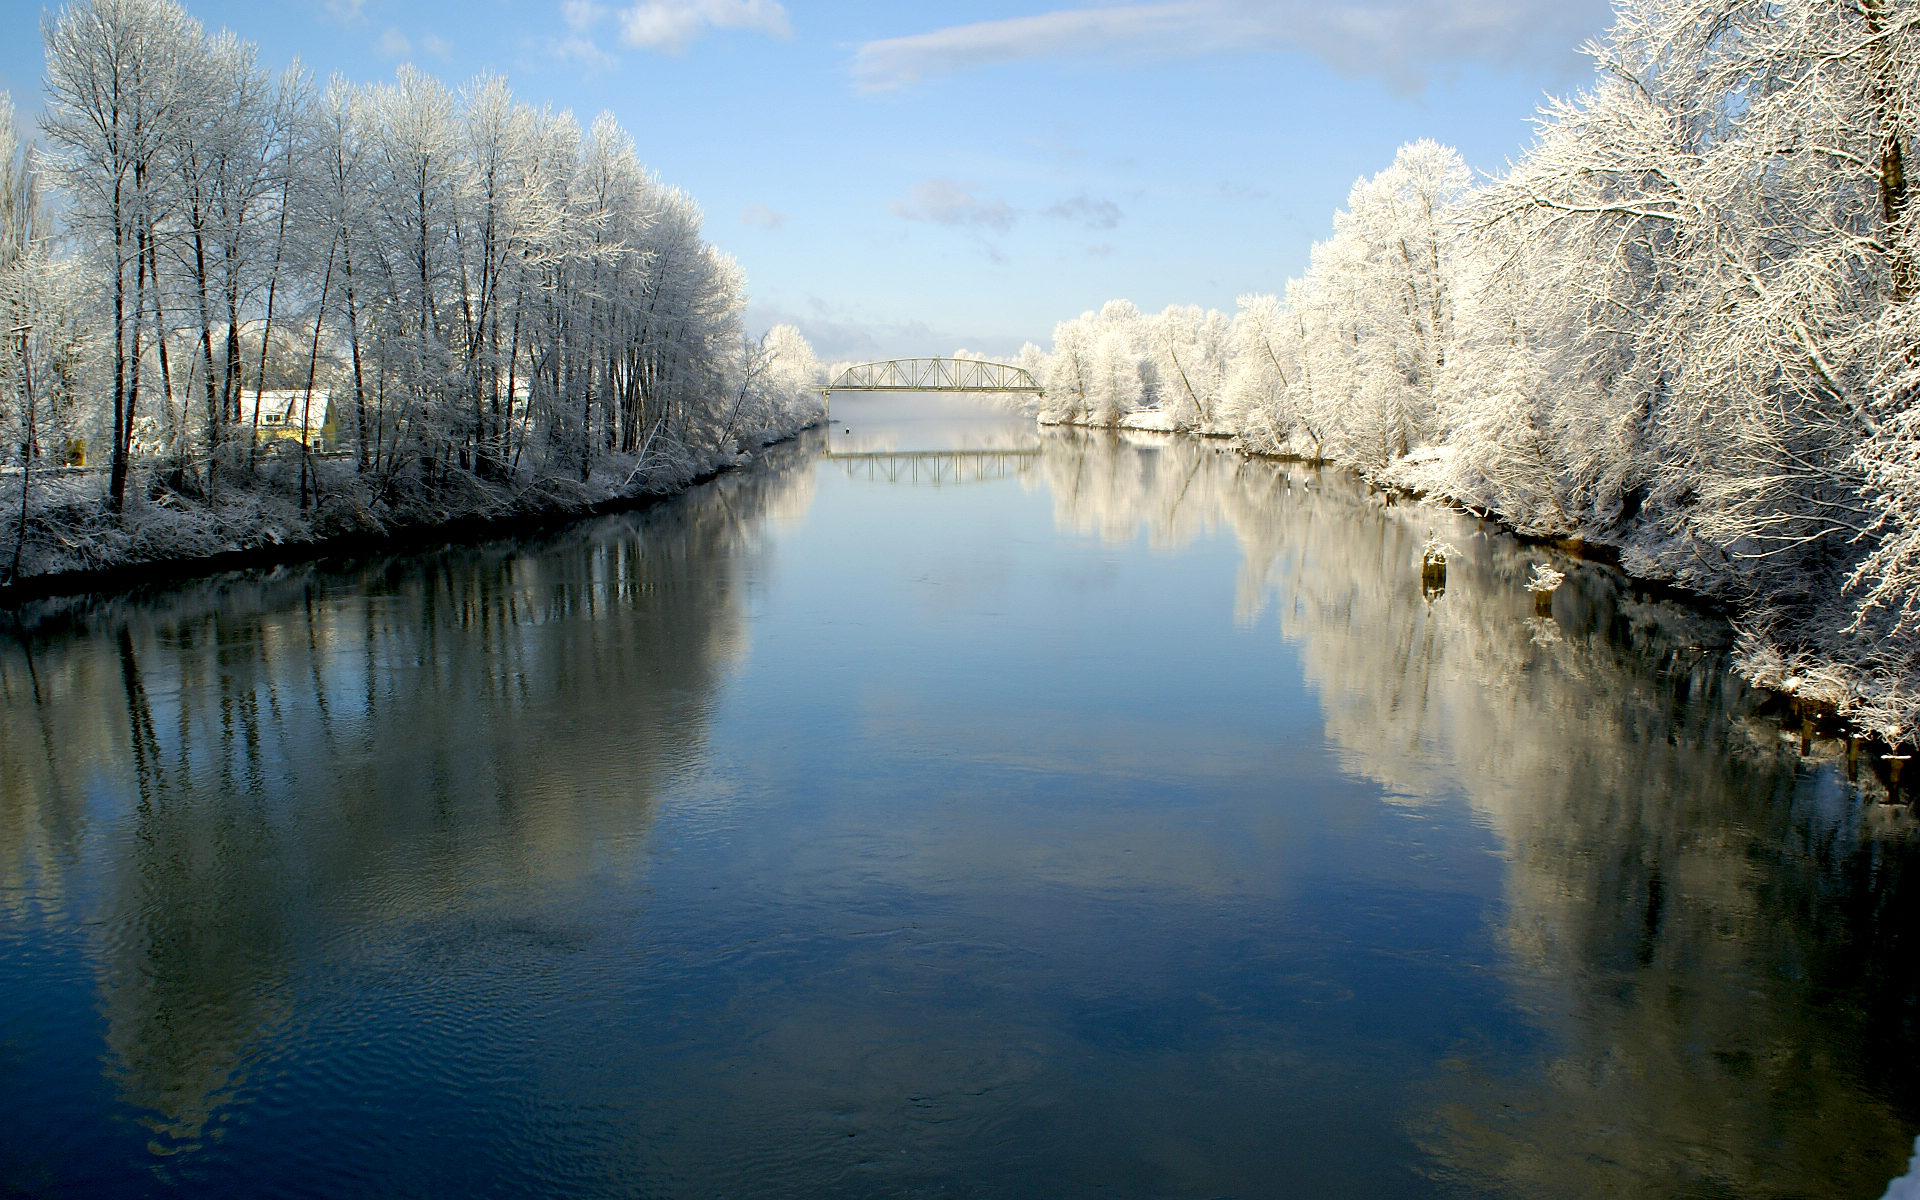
x=1816 y=718
x=466 y=529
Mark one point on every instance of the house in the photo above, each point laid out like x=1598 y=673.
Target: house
x=282 y=411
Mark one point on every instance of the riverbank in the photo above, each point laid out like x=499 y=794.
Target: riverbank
x=75 y=544
x=1873 y=712
x=1826 y=697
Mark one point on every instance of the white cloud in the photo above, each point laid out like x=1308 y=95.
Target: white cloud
x=584 y=51
x=761 y=215
x=668 y=26
x=1398 y=40
x=582 y=15
x=952 y=202
x=580 y=43
x=1086 y=211
x=435 y=45
x=895 y=61
x=393 y=44
x=672 y=25
x=347 y=11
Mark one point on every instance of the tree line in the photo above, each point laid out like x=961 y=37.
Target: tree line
x=468 y=285
x=1683 y=325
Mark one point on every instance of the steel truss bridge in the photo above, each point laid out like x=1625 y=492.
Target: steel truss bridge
x=933 y=375
x=936 y=468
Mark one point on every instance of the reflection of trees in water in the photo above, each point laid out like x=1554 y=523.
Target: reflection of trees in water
x=236 y=774
x=1116 y=485
x=1713 y=935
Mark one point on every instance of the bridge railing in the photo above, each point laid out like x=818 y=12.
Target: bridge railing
x=933 y=375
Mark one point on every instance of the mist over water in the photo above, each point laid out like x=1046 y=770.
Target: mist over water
x=946 y=807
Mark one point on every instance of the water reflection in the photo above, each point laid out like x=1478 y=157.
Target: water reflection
x=1125 y=821
x=928 y=440
x=866 y=423
x=230 y=782
x=936 y=468
x=1711 y=932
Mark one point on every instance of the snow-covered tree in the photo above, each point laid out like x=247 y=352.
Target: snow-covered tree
x=463 y=282
x=1189 y=351
x=121 y=78
x=1684 y=323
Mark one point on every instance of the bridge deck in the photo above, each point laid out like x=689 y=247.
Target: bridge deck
x=933 y=375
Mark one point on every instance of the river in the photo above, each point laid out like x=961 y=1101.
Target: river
x=944 y=807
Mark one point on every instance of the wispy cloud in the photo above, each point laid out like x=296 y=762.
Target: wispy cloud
x=664 y=26
x=659 y=25
x=582 y=15
x=435 y=45
x=893 y=62
x=393 y=44
x=584 y=51
x=1398 y=40
x=346 y=11
x=1086 y=211
x=1235 y=190
x=672 y=25
x=953 y=202
x=762 y=216
x=840 y=334
x=578 y=44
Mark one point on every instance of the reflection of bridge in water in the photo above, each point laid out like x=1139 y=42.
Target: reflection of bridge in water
x=936 y=467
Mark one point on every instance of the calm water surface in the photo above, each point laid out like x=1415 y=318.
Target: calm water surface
x=968 y=811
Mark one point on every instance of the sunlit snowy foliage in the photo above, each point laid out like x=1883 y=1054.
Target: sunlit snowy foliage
x=1684 y=324
x=469 y=294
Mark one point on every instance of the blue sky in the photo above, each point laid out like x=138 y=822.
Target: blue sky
x=909 y=178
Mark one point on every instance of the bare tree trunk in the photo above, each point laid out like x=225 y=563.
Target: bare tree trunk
x=1887 y=103
x=313 y=361
x=166 y=370
x=123 y=435
x=266 y=328
x=117 y=485
x=26 y=451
